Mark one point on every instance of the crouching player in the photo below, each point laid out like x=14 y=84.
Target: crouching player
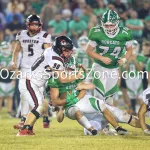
x=76 y=105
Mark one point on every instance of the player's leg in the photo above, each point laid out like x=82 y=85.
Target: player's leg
x=23 y=103
x=46 y=121
x=91 y=104
x=99 y=80
x=74 y=113
x=111 y=85
x=35 y=98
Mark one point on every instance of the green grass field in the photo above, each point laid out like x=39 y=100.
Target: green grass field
x=68 y=136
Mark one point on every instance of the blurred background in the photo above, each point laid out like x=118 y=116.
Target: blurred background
x=73 y=18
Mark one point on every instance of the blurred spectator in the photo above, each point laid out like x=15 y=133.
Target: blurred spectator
x=146 y=31
x=9 y=17
x=13 y=28
x=37 y=5
x=136 y=25
x=77 y=27
x=145 y=11
x=47 y=13
x=1 y=6
x=19 y=6
x=123 y=17
x=81 y=4
x=66 y=12
x=2 y=19
x=100 y=9
x=57 y=26
x=28 y=9
x=119 y=6
x=89 y=17
x=111 y=6
x=2 y=26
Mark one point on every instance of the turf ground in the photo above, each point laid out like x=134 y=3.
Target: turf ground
x=68 y=136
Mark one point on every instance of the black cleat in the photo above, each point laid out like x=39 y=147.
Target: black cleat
x=94 y=132
x=122 y=131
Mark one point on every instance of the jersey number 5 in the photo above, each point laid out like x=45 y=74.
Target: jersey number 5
x=30 y=50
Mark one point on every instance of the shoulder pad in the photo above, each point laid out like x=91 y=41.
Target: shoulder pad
x=58 y=58
x=45 y=35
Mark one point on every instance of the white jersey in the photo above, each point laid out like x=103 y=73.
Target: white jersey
x=146 y=97
x=41 y=69
x=32 y=47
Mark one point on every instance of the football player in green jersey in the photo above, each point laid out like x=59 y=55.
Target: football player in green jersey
x=134 y=75
x=81 y=55
x=6 y=83
x=75 y=107
x=106 y=46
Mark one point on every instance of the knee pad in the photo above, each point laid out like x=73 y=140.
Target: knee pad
x=72 y=111
x=124 y=117
x=101 y=105
x=35 y=113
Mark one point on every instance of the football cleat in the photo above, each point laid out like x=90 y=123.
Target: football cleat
x=122 y=131
x=25 y=132
x=147 y=132
x=19 y=125
x=46 y=124
x=94 y=132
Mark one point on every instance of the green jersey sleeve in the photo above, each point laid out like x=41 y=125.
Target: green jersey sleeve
x=148 y=65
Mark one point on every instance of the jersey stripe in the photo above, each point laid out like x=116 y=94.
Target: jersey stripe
x=108 y=15
x=32 y=93
x=45 y=35
x=58 y=58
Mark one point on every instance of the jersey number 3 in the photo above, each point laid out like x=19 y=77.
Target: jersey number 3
x=30 y=50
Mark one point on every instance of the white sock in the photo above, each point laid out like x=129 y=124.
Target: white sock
x=84 y=122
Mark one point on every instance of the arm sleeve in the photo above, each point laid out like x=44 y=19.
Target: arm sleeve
x=129 y=39
x=48 y=39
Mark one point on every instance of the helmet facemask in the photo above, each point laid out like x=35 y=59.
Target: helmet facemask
x=110 y=28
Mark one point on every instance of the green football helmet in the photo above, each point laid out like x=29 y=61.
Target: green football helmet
x=82 y=42
x=110 y=22
x=135 y=47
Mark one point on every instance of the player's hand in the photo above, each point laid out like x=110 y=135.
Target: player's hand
x=14 y=66
x=80 y=86
x=122 y=61
x=106 y=60
x=80 y=74
x=83 y=67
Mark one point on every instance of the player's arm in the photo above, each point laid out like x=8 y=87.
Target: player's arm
x=141 y=115
x=47 y=41
x=139 y=65
x=54 y=96
x=64 y=78
x=60 y=115
x=16 y=51
x=85 y=86
x=46 y=45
